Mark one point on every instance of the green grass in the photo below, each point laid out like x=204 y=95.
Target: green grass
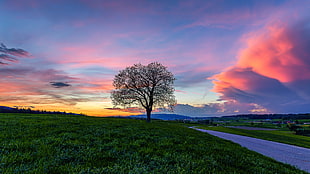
x=281 y=136
x=256 y=123
x=78 y=144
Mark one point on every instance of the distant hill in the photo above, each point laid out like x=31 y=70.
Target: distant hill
x=269 y=116
x=6 y=109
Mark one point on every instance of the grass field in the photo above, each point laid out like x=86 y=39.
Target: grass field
x=282 y=136
x=80 y=144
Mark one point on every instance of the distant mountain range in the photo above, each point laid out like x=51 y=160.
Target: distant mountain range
x=169 y=117
x=243 y=116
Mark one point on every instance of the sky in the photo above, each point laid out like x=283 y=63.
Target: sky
x=229 y=57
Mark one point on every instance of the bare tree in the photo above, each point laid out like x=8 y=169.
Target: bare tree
x=147 y=86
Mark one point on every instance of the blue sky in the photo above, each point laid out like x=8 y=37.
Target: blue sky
x=220 y=52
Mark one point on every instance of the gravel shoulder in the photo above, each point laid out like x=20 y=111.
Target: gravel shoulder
x=289 y=154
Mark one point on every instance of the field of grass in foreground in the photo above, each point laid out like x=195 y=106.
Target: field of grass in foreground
x=282 y=136
x=80 y=144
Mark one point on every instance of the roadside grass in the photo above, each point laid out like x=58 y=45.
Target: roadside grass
x=282 y=136
x=80 y=144
x=256 y=123
x=264 y=124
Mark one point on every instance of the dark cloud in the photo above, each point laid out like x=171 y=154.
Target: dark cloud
x=247 y=86
x=11 y=54
x=13 y=51
x=7 y=58
x=59 y=84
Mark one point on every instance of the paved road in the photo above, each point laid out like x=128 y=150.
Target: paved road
x=293 y=155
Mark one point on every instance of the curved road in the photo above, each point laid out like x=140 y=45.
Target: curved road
x=293 y=155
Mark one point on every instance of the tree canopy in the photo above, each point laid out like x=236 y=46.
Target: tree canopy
x=146 y=86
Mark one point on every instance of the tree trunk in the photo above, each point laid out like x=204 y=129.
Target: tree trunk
x=148 y=115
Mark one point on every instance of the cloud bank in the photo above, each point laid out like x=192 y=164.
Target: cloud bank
x=273 y=71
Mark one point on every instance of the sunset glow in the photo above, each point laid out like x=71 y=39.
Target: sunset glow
x=247 y=56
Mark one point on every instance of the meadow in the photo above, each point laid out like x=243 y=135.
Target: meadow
x=282 y=135
x=41 y=143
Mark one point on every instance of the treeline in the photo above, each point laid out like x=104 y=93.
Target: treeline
x=270 y=116
x=4 y=109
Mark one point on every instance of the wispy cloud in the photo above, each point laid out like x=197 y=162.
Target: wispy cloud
x=11 y=54
x=34 y=86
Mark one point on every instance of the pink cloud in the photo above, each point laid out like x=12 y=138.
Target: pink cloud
x=271 y=69
x=188 y=66
x=275 y=53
